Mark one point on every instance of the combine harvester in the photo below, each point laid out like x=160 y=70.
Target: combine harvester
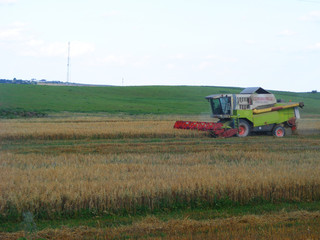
x=253 y=110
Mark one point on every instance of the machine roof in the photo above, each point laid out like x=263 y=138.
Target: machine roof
x=257 y=90
x=249 y=90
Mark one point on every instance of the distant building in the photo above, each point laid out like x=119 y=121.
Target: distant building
x=17 y=81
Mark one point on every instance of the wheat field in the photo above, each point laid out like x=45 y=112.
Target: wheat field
x=179 y=167
x=62 y=166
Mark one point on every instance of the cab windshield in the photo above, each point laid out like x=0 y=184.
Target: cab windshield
x=221 y=106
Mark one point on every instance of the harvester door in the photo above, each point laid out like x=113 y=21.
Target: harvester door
x=226 y=105
x=216 y=106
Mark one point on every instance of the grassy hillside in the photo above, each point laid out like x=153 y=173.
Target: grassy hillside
x=130 y=100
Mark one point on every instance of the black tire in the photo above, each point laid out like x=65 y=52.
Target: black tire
x=279 y=131
x=244 y=128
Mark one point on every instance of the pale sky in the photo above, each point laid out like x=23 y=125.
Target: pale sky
x=274 y=44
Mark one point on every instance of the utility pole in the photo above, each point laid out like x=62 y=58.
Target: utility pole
x=68 y=64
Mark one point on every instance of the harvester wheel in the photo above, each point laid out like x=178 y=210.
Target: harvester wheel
x=243 y=129
x=279 y=131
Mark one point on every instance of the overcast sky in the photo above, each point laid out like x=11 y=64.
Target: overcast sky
x=274 y=44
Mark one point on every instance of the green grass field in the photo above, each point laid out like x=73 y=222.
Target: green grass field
x=129 y=100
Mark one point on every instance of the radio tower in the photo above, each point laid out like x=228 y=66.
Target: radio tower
x=68 y=64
